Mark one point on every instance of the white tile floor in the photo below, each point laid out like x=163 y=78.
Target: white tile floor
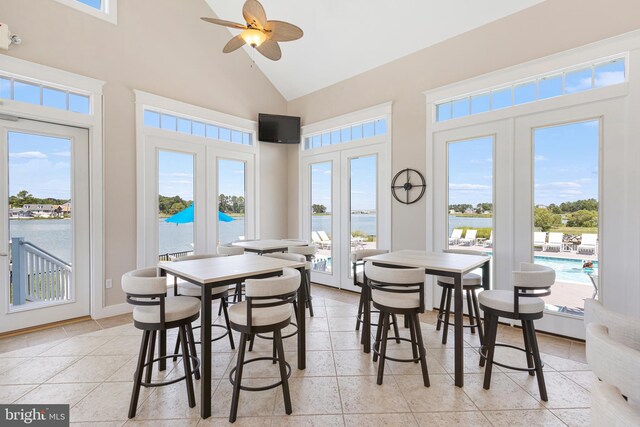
x=93 y=372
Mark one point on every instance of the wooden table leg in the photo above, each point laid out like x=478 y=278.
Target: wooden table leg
x=366 y=316
x=205 y=350
x=302 y=335
x=162 y=341
x=459 y=342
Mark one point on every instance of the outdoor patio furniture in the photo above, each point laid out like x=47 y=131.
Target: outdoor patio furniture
x=539 y=239
x=316 y=239
x=588 y=244
x=456 y=234
x=326 y=241
x=469 y=238
x=489 y=242
x=554 y=243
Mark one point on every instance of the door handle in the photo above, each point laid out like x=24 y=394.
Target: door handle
x=3 y=254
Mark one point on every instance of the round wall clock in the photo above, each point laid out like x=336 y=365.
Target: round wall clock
x=408 y=186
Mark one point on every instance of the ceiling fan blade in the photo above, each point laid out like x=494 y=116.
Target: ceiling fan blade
x=235 y=43
x=254 y=14
x=270 y=49
x=225 y=23
x=280 y=31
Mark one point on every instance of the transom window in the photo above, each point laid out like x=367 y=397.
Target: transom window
x=36 y=93
x=96 y=4
x=103 y=9
x=174 y=123
x=344 y=134
x=558 y=83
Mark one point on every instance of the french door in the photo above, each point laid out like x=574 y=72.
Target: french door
x=345 y=207
x=44 y=217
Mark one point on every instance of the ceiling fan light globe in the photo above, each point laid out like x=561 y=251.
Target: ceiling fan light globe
x=253 y=37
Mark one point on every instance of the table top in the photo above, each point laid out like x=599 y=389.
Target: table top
x=219 y=269
x=451 y=262
x=268 y=244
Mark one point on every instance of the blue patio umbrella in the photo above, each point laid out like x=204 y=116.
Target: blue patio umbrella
x=186 y=215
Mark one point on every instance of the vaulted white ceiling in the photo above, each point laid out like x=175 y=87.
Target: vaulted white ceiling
x=343 y=38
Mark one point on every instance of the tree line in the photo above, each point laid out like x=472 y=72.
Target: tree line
x=581 y=213
x=171 y=205
x=25 y=198
x=478 y=209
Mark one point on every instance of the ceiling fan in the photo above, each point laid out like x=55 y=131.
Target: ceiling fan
x=259 y=33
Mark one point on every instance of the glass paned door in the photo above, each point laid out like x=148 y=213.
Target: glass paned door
x=176 y=211
x=566 y=210
x=321 y=214
x=363 y=202
x=44 y=240
x=231 y=201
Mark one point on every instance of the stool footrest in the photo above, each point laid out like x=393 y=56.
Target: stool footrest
x=503 y=365
x=414 y=360
x=216 y=338
x=263 y=388
x=264 y=337
x=196 y=366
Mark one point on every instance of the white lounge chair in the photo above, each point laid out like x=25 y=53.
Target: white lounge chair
x=539 y=239
x=456 y=234
x=588 y=244
x=316 y=239
x=325 y=239
x=489 y=242
x=554 y=243
x=469 y=238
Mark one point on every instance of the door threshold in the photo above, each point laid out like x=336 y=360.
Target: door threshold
x=44 y=327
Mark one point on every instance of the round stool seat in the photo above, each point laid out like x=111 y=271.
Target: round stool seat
x=359 y=278
x=191 y=290
x=468 y=280
x=396 y=300
x=502 y=300
x=260 y=316
x=176 y=308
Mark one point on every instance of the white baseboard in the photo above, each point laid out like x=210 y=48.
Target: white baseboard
x=112 y=310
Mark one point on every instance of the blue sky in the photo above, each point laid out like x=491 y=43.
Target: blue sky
x=39 y=164
x=471 y=171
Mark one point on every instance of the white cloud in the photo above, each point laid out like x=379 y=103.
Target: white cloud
x=608 y=78
x=62 y=153
x=540 y=158
x=28 y=155
x=469 y=187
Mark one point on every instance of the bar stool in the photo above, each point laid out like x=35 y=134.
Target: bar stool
x=523 y=303
x=309 y=253
x=471 y=282
x=398 y=291
x=154 y=313
x=358 y=280
x=231 y=251
x=181 y=287
x=267 y=308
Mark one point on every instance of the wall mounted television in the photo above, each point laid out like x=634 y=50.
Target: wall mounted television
x=278 y=129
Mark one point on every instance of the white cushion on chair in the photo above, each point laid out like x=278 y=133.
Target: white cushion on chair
x=176 y=308
x=396 y=300
x=469 y=279
x=503 y=300
x=260 y=316
x=191 y=290
x=360 y=277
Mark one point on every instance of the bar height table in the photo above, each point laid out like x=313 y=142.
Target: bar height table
x=224 y=271
x=267 y=245
x=438 y=264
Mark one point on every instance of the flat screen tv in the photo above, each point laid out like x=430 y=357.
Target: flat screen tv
x=279 y=129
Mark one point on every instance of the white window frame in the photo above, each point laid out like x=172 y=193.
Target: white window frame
x=620 y=266
x=93 y=123
x=205 y=175
x=109 y=11
x=364 y=145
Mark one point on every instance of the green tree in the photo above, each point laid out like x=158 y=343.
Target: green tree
x=460 y=207
x=318 y=209
x=583 y=218
x=545 y=220
x=554 y=208
x=484 y=207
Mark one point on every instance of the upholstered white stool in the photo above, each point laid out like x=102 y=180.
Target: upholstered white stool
x=231 y=251
x=154 y=312
x=398 y=291
x=522 y=303
x=309 y=253
x=267 y=308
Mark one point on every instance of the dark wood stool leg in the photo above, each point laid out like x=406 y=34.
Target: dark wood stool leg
x=223 y=304
x=441 y=310
x=360 y=307
x=476 y=308
x=152 y=345
x=376 y=344
x=252 y=339
x=470 y=311
x=135 y=394
x=235 y=397
x=406 y=321
x=383 y=348
x=536 y=358
x=422 y=350
x=309 y=302
x=192 y=347
x=283 y=372
x=491 y=346
x=395 y=328
x=186 y=363
x=176 y=349
x=414 y=339
x=527 y=347
x=447 y=314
